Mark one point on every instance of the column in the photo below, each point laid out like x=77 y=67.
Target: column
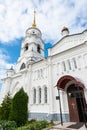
x=67 y=65
x=77 y=59
x=37 y=95
x=85 y=59
x=50 y=86
x=72 y=65
x=60 y=67
x=42 y=95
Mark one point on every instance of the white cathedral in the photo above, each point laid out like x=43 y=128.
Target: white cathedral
x=56 y=85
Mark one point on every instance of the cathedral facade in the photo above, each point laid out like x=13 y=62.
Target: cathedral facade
x=56 y=85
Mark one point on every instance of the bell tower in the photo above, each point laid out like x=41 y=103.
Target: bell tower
x=32 y=48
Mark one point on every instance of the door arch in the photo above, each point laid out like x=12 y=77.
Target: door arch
x=75 y=97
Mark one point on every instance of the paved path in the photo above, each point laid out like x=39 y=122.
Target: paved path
x=69 y=126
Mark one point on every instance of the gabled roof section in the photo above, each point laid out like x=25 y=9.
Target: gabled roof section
x=68 y=42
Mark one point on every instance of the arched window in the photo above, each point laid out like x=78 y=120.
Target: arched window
x=45 y=94
x=26 y=47
x=38 y=48
x=34 y=95
x=39 y=95
x=22 y=66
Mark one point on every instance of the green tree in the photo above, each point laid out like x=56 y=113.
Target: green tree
x=19 y=111
x=5 y=107
x=0 y=113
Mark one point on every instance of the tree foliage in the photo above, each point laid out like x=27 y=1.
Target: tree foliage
x=19 y=112
x=5 y=107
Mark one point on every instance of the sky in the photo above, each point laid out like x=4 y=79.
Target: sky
x=16 y=17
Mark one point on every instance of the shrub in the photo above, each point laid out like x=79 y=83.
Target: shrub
x=31 y=121
x=41 y=124
x=8 y=125
x=44 y=123
x=37 y=125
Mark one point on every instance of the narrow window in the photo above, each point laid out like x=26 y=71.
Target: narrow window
x=69 y=64
x=34 y=96
x=38 y=48
x=26 y=47
x=22 y=66
x=45 y=94
x=74 y=62
x=64 y=66
x=39 y=95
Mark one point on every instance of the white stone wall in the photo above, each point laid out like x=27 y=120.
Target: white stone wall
x=68 y=57
x=79 y=71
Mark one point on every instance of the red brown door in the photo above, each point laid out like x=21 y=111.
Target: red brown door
x=73 y=109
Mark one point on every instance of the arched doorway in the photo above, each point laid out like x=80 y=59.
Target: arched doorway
x=76 y=102
x=75 y=97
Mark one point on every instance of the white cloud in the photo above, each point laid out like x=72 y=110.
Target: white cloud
x=16 y=16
